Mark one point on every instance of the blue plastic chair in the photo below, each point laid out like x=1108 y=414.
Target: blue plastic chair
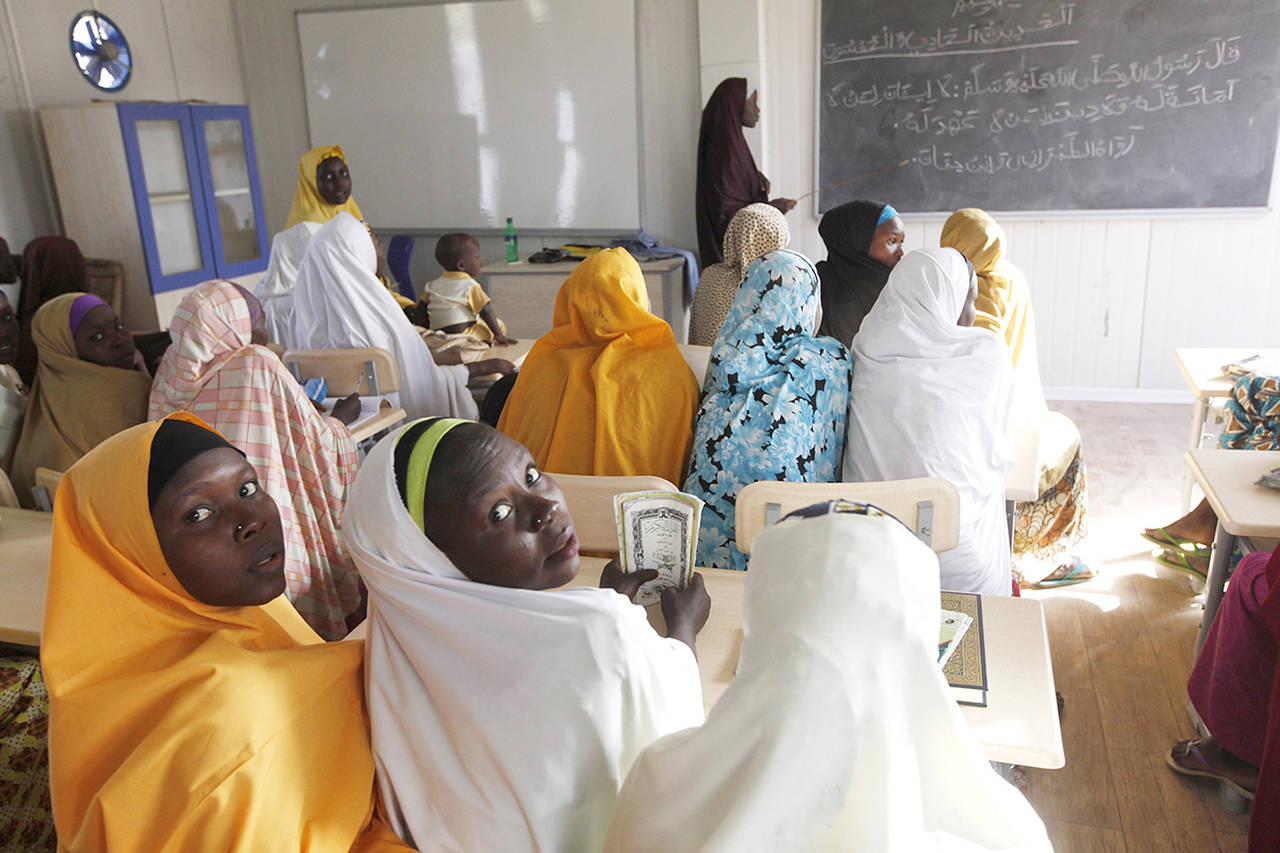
x=398 y=254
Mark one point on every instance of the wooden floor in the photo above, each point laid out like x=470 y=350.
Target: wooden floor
x=1122 y=648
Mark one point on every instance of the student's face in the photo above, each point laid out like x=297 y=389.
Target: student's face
x=470 y=262
x=969 y=312
x=505 y=524
x=333 y=180
x=886 y=243
x=103 y=339
x=8 y=332
x=220 y=531
x=258 y=334
x=751 y=111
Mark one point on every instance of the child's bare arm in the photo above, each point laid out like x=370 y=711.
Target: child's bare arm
x=491 y=320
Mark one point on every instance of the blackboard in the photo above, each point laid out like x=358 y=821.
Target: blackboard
x=1040 y=105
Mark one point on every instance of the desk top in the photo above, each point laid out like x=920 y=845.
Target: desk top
x=25 y=539
x=1202 y=367
x=566 y=267
x=1229 y=478
x=1020 y=723
x=388 y=416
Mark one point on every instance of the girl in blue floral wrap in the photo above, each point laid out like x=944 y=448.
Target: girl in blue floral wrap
x=775 y=401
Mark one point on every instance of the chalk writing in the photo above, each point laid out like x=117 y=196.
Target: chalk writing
x=982 y=7
x=1048 y=104
x=1071 y=147
x=911 y=42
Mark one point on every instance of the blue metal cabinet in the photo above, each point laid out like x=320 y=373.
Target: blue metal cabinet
x=194 y=176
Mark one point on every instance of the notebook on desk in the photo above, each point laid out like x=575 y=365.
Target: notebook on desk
x=369 y=406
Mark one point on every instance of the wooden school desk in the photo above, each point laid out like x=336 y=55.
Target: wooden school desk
x=524 y=294
x=25 y=540
x=1018 y=726
x=1229 y=479
x=1202 y=369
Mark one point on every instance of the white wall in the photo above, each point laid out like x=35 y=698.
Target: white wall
x=182 y=49
x=670 y=105
x=1113 y=297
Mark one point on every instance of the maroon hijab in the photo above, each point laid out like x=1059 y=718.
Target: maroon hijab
x=51 y=266
x=727 y=175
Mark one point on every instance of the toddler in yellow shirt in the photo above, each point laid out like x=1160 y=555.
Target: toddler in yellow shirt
x=455 y=302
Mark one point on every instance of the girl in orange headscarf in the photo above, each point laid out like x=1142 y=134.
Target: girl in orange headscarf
x=606 y=391
x=191 y=708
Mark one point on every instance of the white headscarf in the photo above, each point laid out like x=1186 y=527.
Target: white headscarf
x=932 y=399
x=503 y=719
x=338 y=302
x=275 y=290
x=838 y=732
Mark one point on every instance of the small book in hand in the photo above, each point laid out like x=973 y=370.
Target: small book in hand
x=658 y=530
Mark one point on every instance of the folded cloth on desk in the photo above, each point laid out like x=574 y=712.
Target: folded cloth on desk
x=551 y=256
x=644 y=247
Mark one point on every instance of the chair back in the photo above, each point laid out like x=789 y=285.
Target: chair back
x=698 y=358
x=104 y=278
x=928 y=505
x=8 y=497
x=590 y=503
x=46 y=488
x=341 y=367
x=399 y=250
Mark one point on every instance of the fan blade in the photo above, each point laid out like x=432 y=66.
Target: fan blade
x=84 y=49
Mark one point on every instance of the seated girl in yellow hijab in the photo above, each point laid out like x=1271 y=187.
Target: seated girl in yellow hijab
x=191 y=708
x=90 y=384
x=606 y=391
x=324 y=191
x=1045 y=529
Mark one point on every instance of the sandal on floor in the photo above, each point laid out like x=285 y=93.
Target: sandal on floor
x=1079 y=573
x=1189 y=751
x=1181 y=562
x=1165 y=539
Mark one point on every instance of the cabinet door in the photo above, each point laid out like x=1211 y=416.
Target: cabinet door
x=233 y=201
x=159 y=145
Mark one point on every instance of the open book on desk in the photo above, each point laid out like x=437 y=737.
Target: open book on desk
x=1261 y=364
x=369 y=406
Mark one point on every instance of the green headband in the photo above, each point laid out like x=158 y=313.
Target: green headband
x=415 y=486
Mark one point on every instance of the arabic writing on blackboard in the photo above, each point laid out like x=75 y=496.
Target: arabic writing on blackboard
x=1009 y=87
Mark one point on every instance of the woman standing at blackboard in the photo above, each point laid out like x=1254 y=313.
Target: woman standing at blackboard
x=727 y=176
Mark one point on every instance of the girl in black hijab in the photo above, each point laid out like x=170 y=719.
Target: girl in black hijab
x=727 y=176
x=864 y=242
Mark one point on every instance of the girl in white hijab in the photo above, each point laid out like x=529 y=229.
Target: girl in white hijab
x=339 y=302
x=931 y=398
x=505 y=714
x=838 y=732
x=275 y=291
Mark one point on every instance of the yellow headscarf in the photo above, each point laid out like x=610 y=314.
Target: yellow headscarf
x=74 y=404
x=308 y=205
x=606 y=391
x=175 y=725
x=1004 y=298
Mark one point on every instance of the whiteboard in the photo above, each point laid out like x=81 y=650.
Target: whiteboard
x=458 y=115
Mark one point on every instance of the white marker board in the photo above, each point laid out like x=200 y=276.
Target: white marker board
x=458 y=115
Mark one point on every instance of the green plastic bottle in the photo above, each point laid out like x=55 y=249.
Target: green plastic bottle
x=513 y=250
